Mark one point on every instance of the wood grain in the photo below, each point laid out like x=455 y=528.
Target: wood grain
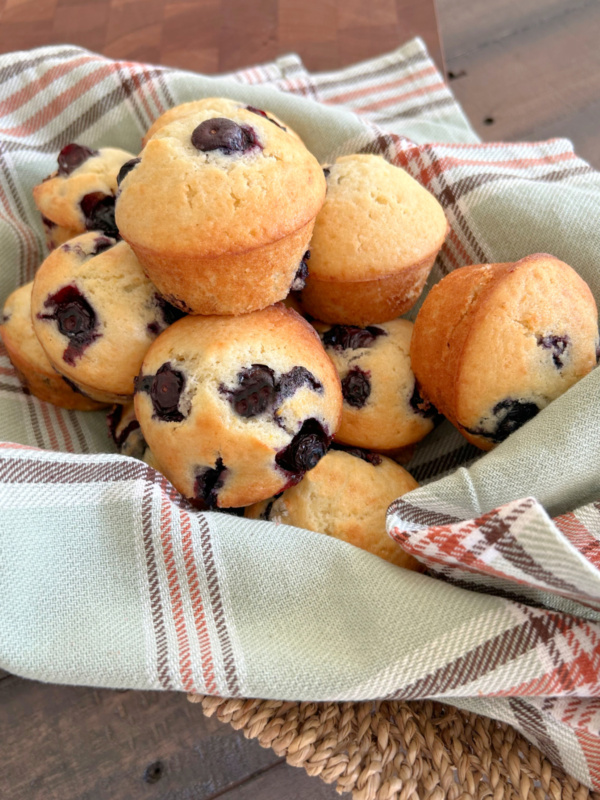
x=73 y=743
x=222 y=35
x=530 y=70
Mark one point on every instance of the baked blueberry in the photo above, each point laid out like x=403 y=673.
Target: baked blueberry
x=558 y=345
x=208 y=482
x=256 y=392
x=169 y=315
x=305 y=450
x=510 y=415
x=351 y=337
x=212 y=107
x=356 y=387
x=358 y=452
x=165 y=390
x=73 y=156
x=117 y=431
x=421 y=406
x=75 y=319
x=126 y=169
x=224 y=135
x=124 y=430
x=301 y=275
x=291 y=381
x=99 y=212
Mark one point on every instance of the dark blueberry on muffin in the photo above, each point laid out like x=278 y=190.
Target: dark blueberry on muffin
x=351 y=337
x=99 y=213
x=511 y=414
x=294 y=379
x=126 y=169
x=208 y=482
x=73 y=156
x=169 y=315
x=558 y=345
x=305 y=450
x=72 y=385
x=358 y=452
x=102 y=243
x=356 y=387
x=223 y=134
x=301 y=275
x=165 y=389
x=75 y=319
x=421 y=406
x=256 y=392
x=113 y=419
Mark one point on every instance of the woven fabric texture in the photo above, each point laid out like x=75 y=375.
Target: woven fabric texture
x=107 y=578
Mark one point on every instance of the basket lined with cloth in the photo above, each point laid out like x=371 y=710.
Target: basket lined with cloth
x=109 y=580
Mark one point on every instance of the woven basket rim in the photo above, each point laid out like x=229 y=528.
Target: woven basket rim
x=395 y=750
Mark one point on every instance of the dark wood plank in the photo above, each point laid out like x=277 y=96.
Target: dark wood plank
x=531 y=76
x=282 y=782
x=73 y=743
x=3 y=674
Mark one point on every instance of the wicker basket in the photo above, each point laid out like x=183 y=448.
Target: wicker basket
x=400 y=751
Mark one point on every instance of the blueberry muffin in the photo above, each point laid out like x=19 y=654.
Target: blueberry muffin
x=493 y=344
x=29 y=358
x=374 y=243
x=221 y=106
x=383 y=409
x=96 y=314
x=220 y=210
x=346 y=496
x=236 y=409
x=80 y=195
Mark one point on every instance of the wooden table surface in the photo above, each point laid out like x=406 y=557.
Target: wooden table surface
x=522 y=69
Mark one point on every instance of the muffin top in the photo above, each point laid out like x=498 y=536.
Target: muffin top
x=345 y=496
x=207 y=186
x=222 y=106
x=96 y=313
x=80 y=194
x=376 y=220
x=254 y=398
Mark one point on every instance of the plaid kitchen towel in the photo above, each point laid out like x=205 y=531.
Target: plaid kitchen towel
x=108 y=579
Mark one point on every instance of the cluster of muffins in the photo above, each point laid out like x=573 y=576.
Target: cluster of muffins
x=240 y=305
